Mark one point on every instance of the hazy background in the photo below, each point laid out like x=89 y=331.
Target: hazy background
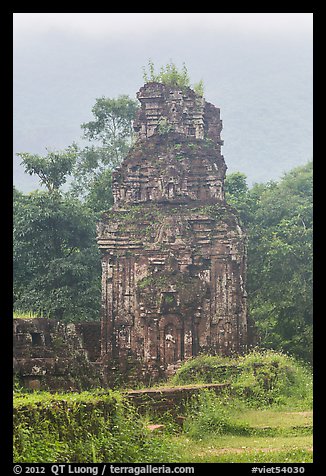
x=257 y=67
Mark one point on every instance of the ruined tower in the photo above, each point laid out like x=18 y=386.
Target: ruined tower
x=173 y=252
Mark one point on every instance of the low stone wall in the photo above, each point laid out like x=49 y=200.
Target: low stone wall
x=51 y=355
x=169 y=399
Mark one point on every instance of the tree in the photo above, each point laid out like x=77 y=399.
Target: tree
x=281 y=264
x=56 y=259
x=278 y=218
x=52 y=169
x=111 y=134
x=112 y=128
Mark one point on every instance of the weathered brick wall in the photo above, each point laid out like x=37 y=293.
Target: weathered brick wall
x=173 y=252
x=182 y=110
x=172 y=400
x=90 y=333
x=170 y=168
x=52 y=355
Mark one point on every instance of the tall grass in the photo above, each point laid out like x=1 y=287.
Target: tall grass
x=102 y=426
x=26 y=315
x=273 y=378
x=86 y=427
x=209 y=415
x=259 y=378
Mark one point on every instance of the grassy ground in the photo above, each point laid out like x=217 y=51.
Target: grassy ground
x=265 y=416
x=276 y=437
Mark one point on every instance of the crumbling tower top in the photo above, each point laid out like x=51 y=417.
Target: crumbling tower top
x=177 y=156
x=181 y=109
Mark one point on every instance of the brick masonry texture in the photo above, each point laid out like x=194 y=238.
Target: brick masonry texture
x=173 y=251
x=50 y=355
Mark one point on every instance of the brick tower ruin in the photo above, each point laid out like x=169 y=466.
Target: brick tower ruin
x=173 y=252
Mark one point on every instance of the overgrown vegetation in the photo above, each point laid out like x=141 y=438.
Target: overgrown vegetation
x=56 y=261
x=265 y=416
x=57 y=274
x=172 y=76
x=88 y=427
x=278 y=217
x=55 y=256
x=258 y=379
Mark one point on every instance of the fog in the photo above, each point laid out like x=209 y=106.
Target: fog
x=256 y=67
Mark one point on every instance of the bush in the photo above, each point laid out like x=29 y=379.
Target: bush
x=258 y=378
x=273 y=378
x=82 y=428
x=205 y=369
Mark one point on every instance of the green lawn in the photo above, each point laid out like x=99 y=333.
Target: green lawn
x=288 y=440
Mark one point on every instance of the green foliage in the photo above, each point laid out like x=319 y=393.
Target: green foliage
x=53 y=169
x=259 y=378
x=169 y=75
x=99 y=196
x=24 y=315
x=88 y=427
x=172 y=76
x=152 y=281
x=205 y=369
x=250 y=454
x=164 y=127
x=294 y=455
x=272 y=378
x=279 y=222
x=111 y=136
x=208 y=416
x=199 y=88
x=266 y=382
x=101 y=426
x=112 y=127
x=56 y=261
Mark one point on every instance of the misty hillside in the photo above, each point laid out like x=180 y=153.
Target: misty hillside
x=264 y=91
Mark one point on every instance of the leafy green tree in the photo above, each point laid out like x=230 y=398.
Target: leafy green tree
x=55 y=255
x=281 y=264
x=53 y=169
x=112 y=127
x=111 y=136
x=237 y=195
x=278 y=218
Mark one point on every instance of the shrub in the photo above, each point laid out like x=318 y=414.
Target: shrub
x=172 y=76
x=82 y=428
x=258 y=378
x=269 y=377
x=205 y=369
x=168 y=74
